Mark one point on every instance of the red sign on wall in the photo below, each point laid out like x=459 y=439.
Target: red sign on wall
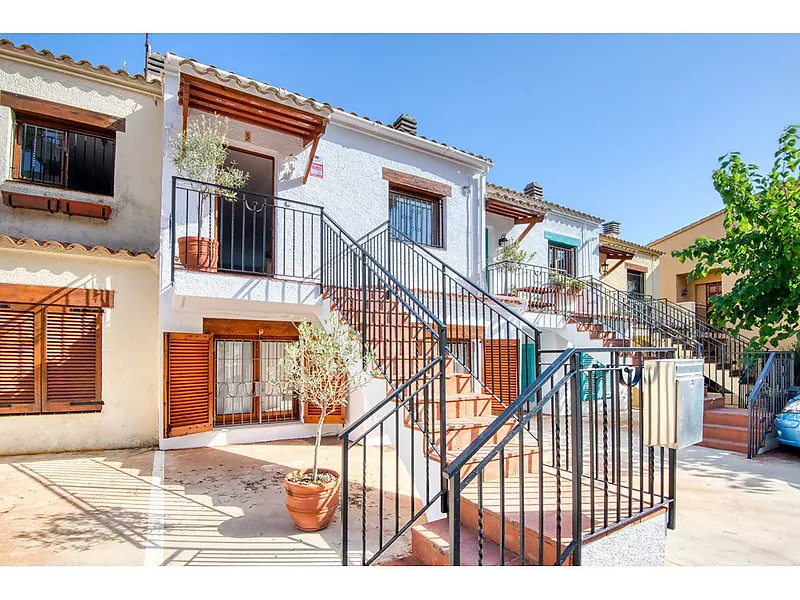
x=317 y=167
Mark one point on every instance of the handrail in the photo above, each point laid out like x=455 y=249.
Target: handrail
x=382 y=269
x=508 y=413
x=248 y=192
x=371 y=412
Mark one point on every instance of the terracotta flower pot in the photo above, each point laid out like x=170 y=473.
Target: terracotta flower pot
x=312 y=506
x=198 y=253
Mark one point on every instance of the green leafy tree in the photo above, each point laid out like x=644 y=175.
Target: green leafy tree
x=761 y=244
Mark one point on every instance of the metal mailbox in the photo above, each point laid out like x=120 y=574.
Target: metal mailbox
x=672 y=402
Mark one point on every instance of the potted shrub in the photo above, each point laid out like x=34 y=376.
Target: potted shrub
x=199 y=154
x=512 y=257
x=570 y=284
x=324 y=366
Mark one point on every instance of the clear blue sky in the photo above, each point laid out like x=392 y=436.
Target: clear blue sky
x=627 y=128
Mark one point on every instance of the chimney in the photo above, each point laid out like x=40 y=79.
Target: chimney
x=155 y=65
x=406 y=123
x=534 y=190
x=611 y=229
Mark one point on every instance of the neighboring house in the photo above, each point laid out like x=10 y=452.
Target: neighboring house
x=80 y=181
x=305 y=158
x=673 y=275
x=559 y=237
x=628 y=266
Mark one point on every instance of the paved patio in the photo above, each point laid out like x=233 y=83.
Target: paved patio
x=225 y=506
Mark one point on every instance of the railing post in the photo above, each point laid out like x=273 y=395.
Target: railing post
x=363 y=304
x=321 y=250
x=345 y=499
x=673 y=487
x=443 y=415
x=454 y=521
x=173 y=227
x=577 y=460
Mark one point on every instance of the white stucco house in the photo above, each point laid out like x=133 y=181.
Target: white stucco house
x=80 y=180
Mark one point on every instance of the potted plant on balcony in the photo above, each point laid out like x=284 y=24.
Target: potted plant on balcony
x=567 y=283
x=199 y=154
x=323 y=367
x=512 y=257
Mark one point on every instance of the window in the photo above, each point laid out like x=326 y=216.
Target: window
x=417 y=217
x=561 y=258
x=635 y=282
x=61 y=156
x=244 y=393
x=50 y=359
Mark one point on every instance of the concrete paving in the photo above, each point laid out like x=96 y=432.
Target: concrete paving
x=735 y=511
x=225 y=506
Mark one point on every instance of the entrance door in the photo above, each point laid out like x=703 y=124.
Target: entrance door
x=246 y=224
x=703 y=293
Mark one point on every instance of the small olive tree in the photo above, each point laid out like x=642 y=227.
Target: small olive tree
x=324 y=366
x=200 y=152
x=514 y=254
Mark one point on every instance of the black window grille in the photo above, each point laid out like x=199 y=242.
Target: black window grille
x=635 y=282
x=71 y=159
x=561 y=258
x=417 y=217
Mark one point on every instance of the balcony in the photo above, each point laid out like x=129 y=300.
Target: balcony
x=215 y=229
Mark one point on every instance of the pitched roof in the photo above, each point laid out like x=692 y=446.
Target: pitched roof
x=496 y=192
x=301 y=101
x=30 y=243
x=621 y=244
x=66 y=63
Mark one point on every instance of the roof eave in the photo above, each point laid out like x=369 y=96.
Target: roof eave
x=379 y=130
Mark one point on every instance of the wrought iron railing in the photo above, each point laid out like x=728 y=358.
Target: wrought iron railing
x=768 y=397
x=486 y=339
x=220 y=229
x=408 y=344
x=594 y=473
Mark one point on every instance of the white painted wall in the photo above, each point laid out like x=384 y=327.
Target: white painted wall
x=131 y=355
x=618 y=278
x=587 y=256
x=135 y=203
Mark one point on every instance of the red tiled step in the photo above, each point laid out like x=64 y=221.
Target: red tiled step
x=461 y=432
x=724 y=445
x=511 y=461
x=735 y=417
x=728 y=433
x=430 y=544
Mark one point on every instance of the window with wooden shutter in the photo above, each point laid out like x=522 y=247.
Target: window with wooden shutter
x=72 y=360
x=501 y=371
x=311 y=413
x=188 y=382
x=19 y=363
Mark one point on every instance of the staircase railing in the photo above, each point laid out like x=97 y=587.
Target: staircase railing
x=769 y=397
x=485 y=338
x=594 y=473
x=408 y=344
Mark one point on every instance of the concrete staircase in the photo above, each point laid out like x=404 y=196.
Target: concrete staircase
x=724 y=428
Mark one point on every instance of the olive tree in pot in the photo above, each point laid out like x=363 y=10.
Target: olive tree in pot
x=199 y=154
x=323 y=366
x=513 y=257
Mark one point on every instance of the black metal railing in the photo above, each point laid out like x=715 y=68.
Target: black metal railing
x=220 y=229
x=485 y=338
x=593 y=472
x=768 y=397
x=408 y=345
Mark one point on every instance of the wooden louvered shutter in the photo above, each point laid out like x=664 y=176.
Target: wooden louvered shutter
x=501 y=371
x=312 y=412
x=19 y=361
x=72 y=360
x=188 y=383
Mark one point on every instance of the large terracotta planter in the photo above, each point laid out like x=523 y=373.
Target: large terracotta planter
x=198 y=253
x=312 y=506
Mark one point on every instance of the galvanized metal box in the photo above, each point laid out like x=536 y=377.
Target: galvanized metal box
x=672 y=402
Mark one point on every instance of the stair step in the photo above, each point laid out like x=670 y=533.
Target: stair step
x=713 y=402
x=404 y=561
x=735 y=417
x=461 y=432
x=430 y=544
x=728 y=433
x=724 y=445
x=511 y=461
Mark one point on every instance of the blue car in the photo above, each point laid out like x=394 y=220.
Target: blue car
x=787 y=424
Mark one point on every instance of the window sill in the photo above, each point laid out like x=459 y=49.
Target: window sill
x=30 y=197
x=53 y=191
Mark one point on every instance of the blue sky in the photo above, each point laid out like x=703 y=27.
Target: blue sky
x=627 y=128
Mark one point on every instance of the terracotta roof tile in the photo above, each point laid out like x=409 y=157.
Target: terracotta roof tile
x=76 y=248
x=496 y=192
x=67 y=61
x=626 y=245
x=245 y=82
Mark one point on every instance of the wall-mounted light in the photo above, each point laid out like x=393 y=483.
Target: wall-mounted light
x=291 y=164
x=604 y=269
x=466 y=190
x=683 y=293
x=503 y=241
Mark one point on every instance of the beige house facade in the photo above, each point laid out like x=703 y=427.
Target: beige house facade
x=80 y=166
x=627 y=266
